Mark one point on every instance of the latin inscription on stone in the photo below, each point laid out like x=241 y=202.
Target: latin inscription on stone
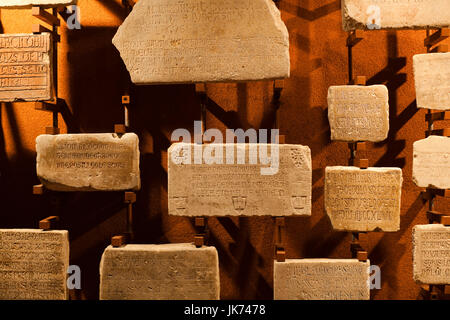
x=29 y=3
x=159 y=272
x=322 y=279
x=363 y=200
x=358 y=113
x=33 y=264
x=88 y=162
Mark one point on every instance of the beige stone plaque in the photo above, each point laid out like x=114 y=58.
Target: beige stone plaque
x=159 y=272
x=363 y=200
x=322 y=279
x=358 y=113
x=29 y=3
x=33 y=264
x=239 y=185
x=431 y=163
x=431 y=254
x=88 y=162
x=432 y=80
x=187 y=41
x=395 y=14
x=26 y=67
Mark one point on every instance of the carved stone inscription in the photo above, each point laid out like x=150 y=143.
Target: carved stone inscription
x=238 y=186
x=431 y=254
x=358 y=113
x=322 y=279
x=186 y=41
x=88 y=162
x=363 y=200
x=29 y=3
x=26 y=67
x=159 y=272
x=33 y=264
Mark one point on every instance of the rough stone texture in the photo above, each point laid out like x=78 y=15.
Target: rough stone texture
x=322 y=279
x=363 y=199
x=26 y=72
x=186 y=41
x=358 y=113
x=33 y=264
x=431 y=254
x=431 y=162
x=240 y=189
x=30 y=3
x=432 y=80
x=88 y=162
x=160 y=272
x=395 y=14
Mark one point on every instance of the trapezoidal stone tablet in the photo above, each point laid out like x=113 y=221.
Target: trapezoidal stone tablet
x=88 y=162
x=159 y=272
x=30 y=3
x=33 y=264
x=362 y=200
x=239 y=180
x=188 y=41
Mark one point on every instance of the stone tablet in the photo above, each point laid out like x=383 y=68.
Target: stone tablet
x=362 y=200
x=358 y=113
x=431 y=254
x=33 y=264
x=187 y=41
x=395 y=14
x=26 y=72
x=159 y=272
x=240 y=186
x=322 y=279
x=30 y=3
x=432 y=80
x=88 y=162
x=431 y=162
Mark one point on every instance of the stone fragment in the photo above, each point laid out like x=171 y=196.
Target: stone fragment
x=30 y=3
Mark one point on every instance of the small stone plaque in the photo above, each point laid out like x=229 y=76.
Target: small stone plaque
x=30 y=3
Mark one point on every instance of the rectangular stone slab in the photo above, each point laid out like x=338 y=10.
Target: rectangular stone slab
x=30 y=3
x=432 y=80
x=159 y=272
x=395 y=14
x=240 y=189
x=33 y=264
x=431 y=162
x=321 y=279
x=358 y=113
x=431 y=254
x=26 y=67
x=363 y=200
x=88 y=162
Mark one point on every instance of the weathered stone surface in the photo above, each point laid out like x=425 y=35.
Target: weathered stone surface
x=186 y=41
x=322 y=279
x=240 y=189
x=431 y=163
x=431 y=254
x=358 y=113
x=29 y=3
x=159 y=272
x=33 y=264
x=88 y=162
x=26 y=72
x=395 y=14
x=432 y=80
x=363 y=199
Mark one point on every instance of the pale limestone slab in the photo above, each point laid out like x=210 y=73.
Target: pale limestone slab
x=240 y=188
x=358 y=113
x=431 y=254
x=26 y=70
x=88 y=162
x=33 y=264
x=363 y=200
x=395 y=14
x=321 y=279
x=432 y=80
x=159 y=272
x=30 y=3
x=431 y=162
x=187 y=41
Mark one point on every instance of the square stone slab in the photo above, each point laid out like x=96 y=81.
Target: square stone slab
x=30 y=3
x=159 y=272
